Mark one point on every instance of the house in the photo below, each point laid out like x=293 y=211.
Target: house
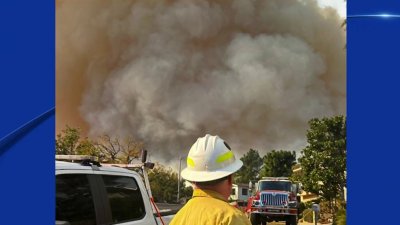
x=308 y=196
x=304 y=196
x=240 y=193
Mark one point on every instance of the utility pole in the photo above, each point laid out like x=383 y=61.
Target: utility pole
x=179 y=177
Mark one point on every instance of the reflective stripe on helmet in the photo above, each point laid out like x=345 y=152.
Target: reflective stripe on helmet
x=224 y=157
x=190 y=162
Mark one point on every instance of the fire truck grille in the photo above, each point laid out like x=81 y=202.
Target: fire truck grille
x=274 y=199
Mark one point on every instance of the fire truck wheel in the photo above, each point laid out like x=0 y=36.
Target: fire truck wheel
x=292 y=220
x=255 y=219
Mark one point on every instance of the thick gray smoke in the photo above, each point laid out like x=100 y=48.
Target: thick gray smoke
x=252 y=71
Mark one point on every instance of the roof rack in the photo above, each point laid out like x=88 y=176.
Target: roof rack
x=76 y=157
x=148 y=165
x=85 y=160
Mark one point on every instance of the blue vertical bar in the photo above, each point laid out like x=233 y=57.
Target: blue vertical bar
x=27 y=81
x=373 y=111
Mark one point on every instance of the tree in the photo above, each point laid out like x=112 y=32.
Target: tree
x=88 y=147
x=106 y=148
x=187 y=192
x=67 y=141
x=116 y=150
x=110 y=147
x=131 y=150
x=251 y=167
x=323 y=160
x=278 y=163
x=163 y=183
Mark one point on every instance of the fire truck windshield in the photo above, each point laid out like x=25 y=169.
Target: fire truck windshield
x=275 y=185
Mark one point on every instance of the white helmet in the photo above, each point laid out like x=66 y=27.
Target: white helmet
x=210 y=158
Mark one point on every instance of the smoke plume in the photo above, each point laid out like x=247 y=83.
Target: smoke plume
x=166 y=72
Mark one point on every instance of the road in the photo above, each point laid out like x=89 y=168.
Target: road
x=169 y=209
x=164 y=206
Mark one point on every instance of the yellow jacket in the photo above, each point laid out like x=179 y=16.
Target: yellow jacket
x=209 y=208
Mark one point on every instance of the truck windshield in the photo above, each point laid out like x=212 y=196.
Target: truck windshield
x=275 y=185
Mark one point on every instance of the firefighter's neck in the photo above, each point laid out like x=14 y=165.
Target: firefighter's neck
x=224 y=188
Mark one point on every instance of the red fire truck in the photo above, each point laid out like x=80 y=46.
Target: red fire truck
x=275 y=199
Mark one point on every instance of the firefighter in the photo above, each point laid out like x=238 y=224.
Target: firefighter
x=210 y=167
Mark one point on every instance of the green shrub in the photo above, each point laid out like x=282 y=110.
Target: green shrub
x=340 y=218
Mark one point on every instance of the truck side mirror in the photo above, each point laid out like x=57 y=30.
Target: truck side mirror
x=149 y=165
x=294 y=188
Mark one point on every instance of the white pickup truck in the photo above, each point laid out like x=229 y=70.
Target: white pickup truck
x=88 y=193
